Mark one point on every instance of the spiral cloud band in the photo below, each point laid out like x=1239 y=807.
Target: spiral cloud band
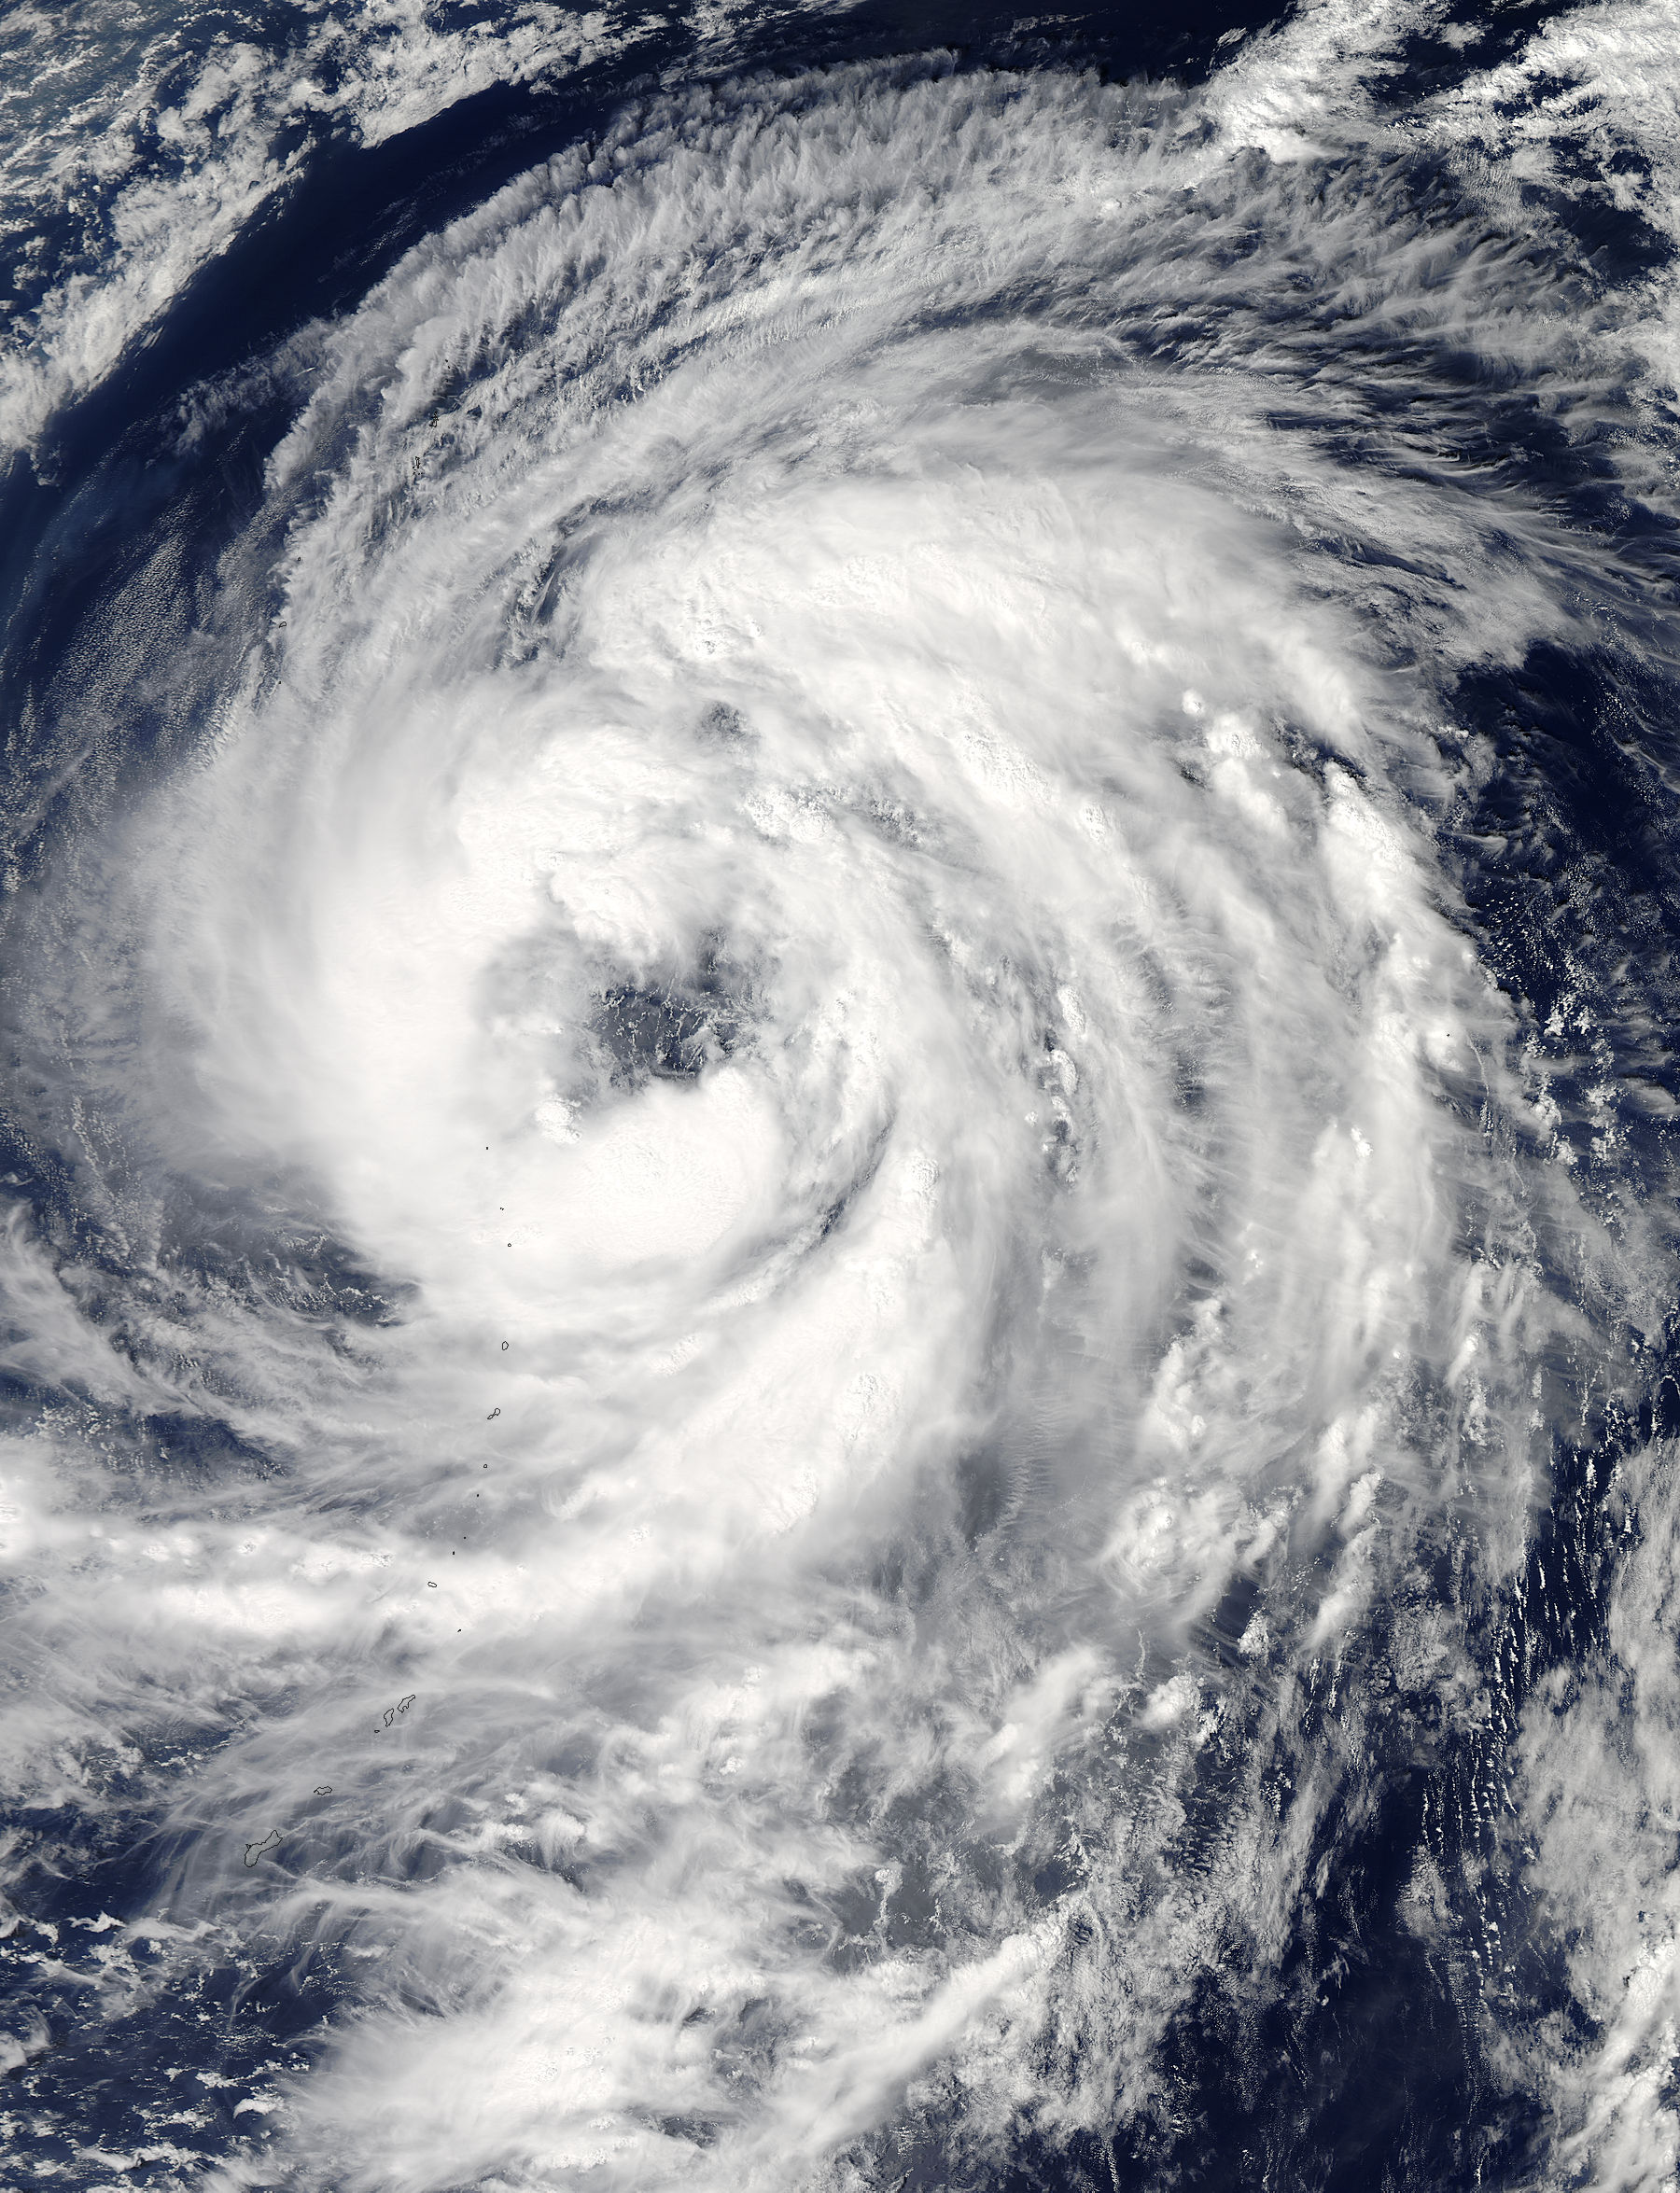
x=820 y=1258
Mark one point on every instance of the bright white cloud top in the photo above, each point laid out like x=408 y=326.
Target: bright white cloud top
x=865 y=1276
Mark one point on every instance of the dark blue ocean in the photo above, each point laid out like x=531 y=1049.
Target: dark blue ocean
x=837 y=1089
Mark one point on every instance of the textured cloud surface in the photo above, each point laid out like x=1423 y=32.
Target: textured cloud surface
x=816 y=1254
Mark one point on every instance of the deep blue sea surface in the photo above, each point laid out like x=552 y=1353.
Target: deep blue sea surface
x=837 y=979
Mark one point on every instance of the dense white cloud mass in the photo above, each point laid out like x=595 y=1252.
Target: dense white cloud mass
x=820 y=884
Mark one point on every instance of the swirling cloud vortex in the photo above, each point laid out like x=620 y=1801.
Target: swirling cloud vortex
x=820 y=862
